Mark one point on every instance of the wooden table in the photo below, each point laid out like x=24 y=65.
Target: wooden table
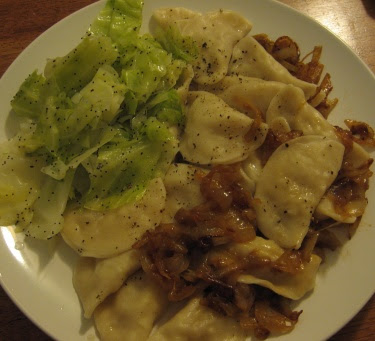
x=21 y=21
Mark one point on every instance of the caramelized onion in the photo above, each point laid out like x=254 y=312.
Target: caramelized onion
x=362 y=133
x=272 y=320
x=326 y=106
x=285 y=49
x=345 y=137
x=265 y=41
x=311 y=71
x=348 y=192
x=308 y=245
x=188 y=256
x=290 y=262
x=273 y=140
x=320 y=100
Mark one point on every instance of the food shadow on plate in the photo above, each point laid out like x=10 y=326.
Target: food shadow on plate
x=43 y=250
x=50 y=251
x=68 y=256
x=332 y=256
x=88 y=327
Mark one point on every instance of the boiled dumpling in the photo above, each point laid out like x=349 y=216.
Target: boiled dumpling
x=105 y=234
x=182 y=183
x=284 y=284
x=216 y=133
x=131 y=312
x=290 y=104
x=246 y=94
x=326 y=209
x=94 y=279
x=354 y=158
x=215 y=33
x=292 y=183
x=197 y=322
x=251 y=59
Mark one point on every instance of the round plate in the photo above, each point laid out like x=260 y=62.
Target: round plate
x=38 y=276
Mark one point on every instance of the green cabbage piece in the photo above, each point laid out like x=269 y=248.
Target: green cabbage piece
x=68 y=130
x=123 y=167
x=28 y=198
x=105 y=93
x=143 y=66
x=166 y=107
x=20 y=183
x=181 y=47
x=49 y=207
x=58 y=168
x=94 y=126
x=30 y=97
x=146 y=70
x=75 y=70
x=120 y=20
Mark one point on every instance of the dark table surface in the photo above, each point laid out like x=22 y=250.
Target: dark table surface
x=20 y=23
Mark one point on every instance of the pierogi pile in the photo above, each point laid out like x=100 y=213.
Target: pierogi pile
x=246 y=112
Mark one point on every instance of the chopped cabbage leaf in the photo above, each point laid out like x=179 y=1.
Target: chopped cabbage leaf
x=30 y=98
x=20 y=182
x=75 y=70
x=120 y=20
x=104 y=94
x=147 y=69
x=96 y=122
x=181 y=47
x=123 y=167
x=166 y=107
x=68 y=130
x=48 y=209
x=58 y=168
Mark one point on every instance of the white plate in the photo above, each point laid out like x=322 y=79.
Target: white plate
x=40 y=280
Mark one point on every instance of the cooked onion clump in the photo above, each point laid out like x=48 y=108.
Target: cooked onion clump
x=190 y=256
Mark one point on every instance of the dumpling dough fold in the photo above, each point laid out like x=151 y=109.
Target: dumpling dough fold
x=251 y=59
x=131 y=312
x=284 y=284
x=245 y=93
x=291 y=185
x=290 y=104
x=197 y=322
x=182 y=183
x=94 y=279
x=356 y=158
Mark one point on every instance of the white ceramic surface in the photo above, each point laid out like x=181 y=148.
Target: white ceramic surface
x=38 y=276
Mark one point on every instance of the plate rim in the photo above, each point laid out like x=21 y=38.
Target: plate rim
x=71 y=16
